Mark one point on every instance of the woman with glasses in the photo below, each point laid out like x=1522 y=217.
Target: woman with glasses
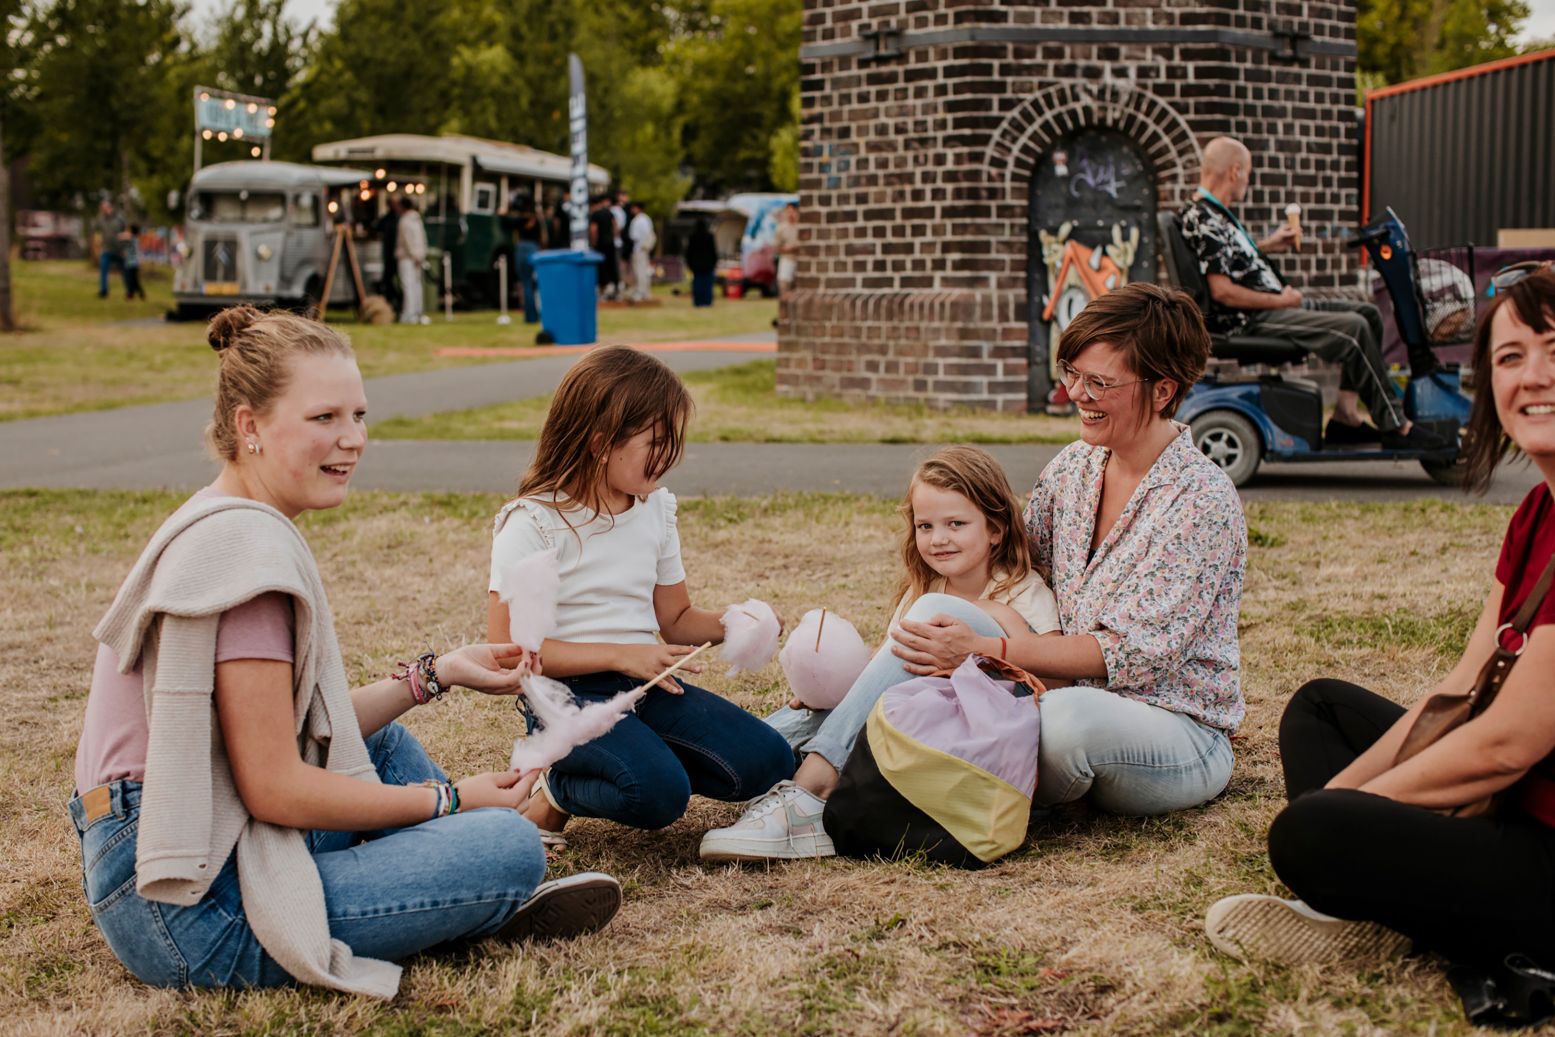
x=1369 y=843
x=1143 y=541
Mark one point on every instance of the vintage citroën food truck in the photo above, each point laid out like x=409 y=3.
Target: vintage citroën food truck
x=261 y=232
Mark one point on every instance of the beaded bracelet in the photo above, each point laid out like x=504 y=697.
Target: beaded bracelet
x=421 y=677
x=447 y=801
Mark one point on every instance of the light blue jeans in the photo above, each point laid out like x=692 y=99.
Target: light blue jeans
x=832 y=732
x=389 y=895
x=1126 y=756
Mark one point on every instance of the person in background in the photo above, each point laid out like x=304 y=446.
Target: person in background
x=388 y=228
x=702 y=261
x=110 y=234
x=642 y=238
x=410 y=252
x=621 y=216
x=531 y=232
x=602 y=240
x=130 y=249
x=1248 y=295
x=785 y=242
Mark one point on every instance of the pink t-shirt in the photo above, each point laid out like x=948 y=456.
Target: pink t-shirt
x=114 y=734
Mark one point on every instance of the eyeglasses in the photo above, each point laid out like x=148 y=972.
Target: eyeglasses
x=1507 y=276
x=1095 y=385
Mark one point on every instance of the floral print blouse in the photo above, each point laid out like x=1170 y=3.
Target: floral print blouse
x=1163 y=591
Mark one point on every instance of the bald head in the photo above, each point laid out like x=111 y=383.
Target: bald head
x=1227 y=168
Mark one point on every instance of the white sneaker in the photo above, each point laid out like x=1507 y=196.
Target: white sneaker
x=784 y=824
x=1253 y=925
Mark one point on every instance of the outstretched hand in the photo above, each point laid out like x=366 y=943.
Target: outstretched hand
x=494 y=669
x=496 y=789
x=941 y=643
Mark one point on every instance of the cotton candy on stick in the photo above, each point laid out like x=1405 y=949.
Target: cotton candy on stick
x=564 y=725
x=751 y=631
x=822 y=658
x=528 y=587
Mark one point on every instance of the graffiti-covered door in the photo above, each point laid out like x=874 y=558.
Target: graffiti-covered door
x=1092 y=228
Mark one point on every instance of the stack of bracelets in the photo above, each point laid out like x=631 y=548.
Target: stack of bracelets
x=447 y=797
x=421 y=676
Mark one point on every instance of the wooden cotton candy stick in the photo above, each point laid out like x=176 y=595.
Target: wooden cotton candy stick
x=818 y=628
x=678 y=663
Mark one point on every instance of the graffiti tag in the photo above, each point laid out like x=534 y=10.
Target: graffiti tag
x=1098 y=176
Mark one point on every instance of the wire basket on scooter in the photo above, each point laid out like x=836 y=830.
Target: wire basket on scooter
x=1447 y=292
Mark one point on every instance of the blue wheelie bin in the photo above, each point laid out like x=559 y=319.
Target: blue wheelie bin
x=568 y=282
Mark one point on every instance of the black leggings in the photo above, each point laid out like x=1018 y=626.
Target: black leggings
x=1471 y=889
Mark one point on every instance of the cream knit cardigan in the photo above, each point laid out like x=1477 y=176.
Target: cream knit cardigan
x=209 y=557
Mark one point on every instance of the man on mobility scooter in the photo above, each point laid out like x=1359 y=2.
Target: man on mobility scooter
x=1246 y=294
x=1254 y=318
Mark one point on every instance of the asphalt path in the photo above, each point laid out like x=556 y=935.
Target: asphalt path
x=158 y=446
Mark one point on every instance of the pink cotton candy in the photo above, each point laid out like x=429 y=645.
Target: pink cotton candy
x=528 y=588
x=564 y=725
x=822 y=658
x=750 y=635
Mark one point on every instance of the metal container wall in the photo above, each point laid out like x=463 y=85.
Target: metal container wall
x=1462 y=155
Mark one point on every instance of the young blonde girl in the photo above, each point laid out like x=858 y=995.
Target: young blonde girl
x=965 y=557
x=616 y=425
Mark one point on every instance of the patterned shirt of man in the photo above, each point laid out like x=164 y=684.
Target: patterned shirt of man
x=1224 y=247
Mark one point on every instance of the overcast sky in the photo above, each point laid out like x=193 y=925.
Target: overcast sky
x=1540 y=24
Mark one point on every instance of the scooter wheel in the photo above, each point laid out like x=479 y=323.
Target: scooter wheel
x=1229 y=440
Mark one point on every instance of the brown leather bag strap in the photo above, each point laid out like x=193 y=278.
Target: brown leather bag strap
x=1541 y=590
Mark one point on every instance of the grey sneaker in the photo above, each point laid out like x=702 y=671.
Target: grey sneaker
x=564 y=908
x=1256 y=926
x=784 y=824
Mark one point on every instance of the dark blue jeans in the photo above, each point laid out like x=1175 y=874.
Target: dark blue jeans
x=701 y=289
x=388 y=894
x=106 y=260
x=524 y=272
x=643 y=772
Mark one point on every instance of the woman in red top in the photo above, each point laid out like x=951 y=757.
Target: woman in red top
x=1361 y=842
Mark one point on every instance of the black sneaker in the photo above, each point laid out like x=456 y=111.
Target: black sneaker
x=1341 y=434
x=1417 y=438
x=564 y=908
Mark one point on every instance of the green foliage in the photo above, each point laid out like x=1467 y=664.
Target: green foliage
x=1400 y=40
x=256 y=49
x=649 y=142
x=741 y=80
x=109 y=91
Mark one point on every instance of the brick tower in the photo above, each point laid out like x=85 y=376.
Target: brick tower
x=972 y=171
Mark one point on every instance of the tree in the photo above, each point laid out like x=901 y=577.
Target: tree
x=7 y=314
x=109 y=97
x=1399 y=40
x=647 y=147
x=738 y=80
x=256 y=49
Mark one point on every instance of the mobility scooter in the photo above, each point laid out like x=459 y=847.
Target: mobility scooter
x=1245 y=412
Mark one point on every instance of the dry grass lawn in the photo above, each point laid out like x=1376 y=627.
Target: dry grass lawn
x=1093 y=928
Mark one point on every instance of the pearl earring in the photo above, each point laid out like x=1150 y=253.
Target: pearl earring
x=254 y=447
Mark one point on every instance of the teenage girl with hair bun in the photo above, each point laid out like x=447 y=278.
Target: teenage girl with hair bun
x=246 y=818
